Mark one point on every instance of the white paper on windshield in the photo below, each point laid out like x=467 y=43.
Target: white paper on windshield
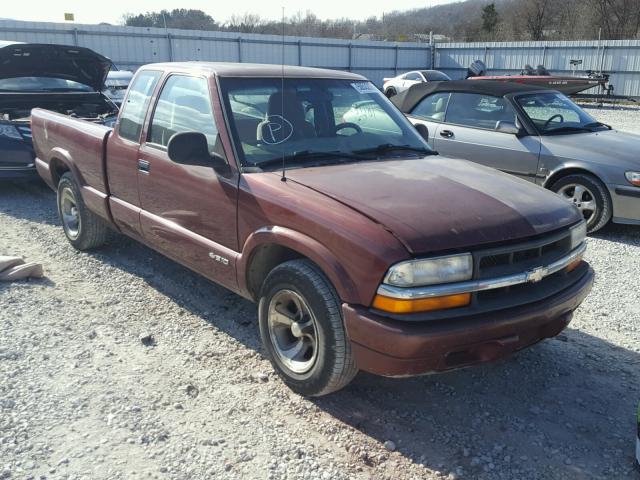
x=364 y=87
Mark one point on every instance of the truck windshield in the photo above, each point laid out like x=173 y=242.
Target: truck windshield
x=41 y=84
x=314 y=121
x=554 y=114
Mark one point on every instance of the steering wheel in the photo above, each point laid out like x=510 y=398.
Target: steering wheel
x=557 y=115
x=344 y=125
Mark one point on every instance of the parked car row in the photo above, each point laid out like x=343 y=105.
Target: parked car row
x=372 y=235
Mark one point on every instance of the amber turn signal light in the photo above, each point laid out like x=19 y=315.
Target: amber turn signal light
x=395 y=305
x=573 y=265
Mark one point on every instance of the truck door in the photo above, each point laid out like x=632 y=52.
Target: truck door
x=188 y=212
x=122 y=153
x=469 y=132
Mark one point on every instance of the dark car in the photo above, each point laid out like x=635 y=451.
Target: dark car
x=61 y=78
x=539 y=135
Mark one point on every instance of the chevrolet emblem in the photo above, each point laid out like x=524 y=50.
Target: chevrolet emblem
x=536 y=274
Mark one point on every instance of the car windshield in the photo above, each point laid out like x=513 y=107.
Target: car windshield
x=314 y=121
x=553 y=113
x=41 y=84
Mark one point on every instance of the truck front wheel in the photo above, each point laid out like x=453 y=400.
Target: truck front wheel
x=302 y=329
x=83 y=228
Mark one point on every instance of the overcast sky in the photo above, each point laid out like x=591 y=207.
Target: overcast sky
x=111 y=11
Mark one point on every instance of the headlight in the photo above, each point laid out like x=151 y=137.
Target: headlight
x=578 y=234
x=9 y=131
x=633 y=178
x=415 y=273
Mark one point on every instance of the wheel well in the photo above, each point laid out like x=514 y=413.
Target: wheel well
x=265 y=259
x=566 y=172
x=57 y=169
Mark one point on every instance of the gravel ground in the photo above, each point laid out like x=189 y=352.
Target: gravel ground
x=122 y=364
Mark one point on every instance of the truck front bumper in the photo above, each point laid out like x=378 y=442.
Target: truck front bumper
x=395 y=349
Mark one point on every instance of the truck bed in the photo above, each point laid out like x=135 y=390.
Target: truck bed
x=62 y=142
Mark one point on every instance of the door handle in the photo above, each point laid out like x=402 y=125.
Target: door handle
x=446 y=133
x=144 y=166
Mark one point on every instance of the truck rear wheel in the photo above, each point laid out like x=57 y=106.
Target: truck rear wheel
x=302 y=329
x=83 y=228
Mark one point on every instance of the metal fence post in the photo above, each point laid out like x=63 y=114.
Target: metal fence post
x=170 y=47
x=300 y=52
x=240 y=49
x=395 y=62
x=76 y=42
x=350 y=57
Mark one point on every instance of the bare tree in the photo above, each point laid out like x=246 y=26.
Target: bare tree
x=618 y=18
x=245 y=23
x=535 y=16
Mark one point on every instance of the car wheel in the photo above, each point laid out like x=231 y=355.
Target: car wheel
x=390 y=92
x=302 y=329
x=589 y=195
x=83 y=228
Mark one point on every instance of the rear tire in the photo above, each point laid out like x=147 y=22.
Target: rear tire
x=83 y=228
x=590 y=196
x=302 y=329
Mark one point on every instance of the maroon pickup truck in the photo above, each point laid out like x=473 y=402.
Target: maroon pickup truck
x=364 y=249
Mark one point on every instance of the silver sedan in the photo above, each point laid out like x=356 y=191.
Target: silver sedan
x=538 y=135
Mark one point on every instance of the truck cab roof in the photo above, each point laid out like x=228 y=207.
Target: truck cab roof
x=232 y=69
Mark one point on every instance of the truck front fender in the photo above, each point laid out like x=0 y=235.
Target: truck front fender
x=286 y=242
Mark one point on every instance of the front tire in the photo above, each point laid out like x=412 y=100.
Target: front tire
x=589 y=195
x=302 y=329
x=83 y=228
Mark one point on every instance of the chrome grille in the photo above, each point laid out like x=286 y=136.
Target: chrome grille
x=521 y=257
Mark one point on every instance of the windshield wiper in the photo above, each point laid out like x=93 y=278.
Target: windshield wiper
x=295 y=157
x=389 y=147
x=568 y=129
x=598 y=124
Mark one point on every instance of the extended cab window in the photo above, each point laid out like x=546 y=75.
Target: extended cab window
x=478 y=111
x=135 y=108
x=184 y=105
x=432 y=107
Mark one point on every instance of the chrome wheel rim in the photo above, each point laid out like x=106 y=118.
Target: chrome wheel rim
x=69 y=213
x=582 y=197
x=293 y=331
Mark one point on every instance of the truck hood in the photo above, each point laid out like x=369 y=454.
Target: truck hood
x=78 y=64
x=438 y=203
x=610 y=147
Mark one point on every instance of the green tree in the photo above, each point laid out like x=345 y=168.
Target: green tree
x=490 y=18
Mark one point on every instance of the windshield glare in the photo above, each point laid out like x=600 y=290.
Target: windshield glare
x=46 y=84
x=312 y=116
x=551 y=112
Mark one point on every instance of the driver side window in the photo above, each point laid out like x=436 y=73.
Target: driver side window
x=184 y=105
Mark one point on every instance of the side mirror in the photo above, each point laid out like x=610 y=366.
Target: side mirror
x=191 y=148
x=507 y=127
x=423 y=131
